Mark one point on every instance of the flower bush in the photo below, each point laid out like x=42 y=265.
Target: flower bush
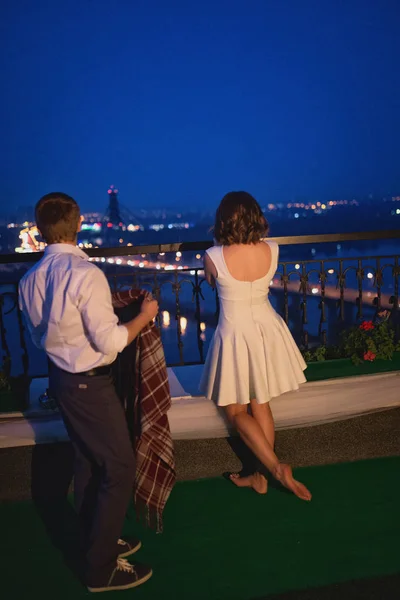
x=364 y=342
x=370 y=340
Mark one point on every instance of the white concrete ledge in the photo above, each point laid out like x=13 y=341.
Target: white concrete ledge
x=195 y=417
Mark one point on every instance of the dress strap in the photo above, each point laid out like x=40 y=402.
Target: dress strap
x=274 y=253
x=216 y=255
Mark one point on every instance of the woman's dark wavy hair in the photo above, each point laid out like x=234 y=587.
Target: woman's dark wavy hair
x=239 y=220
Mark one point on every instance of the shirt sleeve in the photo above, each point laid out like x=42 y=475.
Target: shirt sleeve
x=35 y=332
x=99 y=319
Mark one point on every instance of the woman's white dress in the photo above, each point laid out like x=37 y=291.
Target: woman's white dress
x=252 y=354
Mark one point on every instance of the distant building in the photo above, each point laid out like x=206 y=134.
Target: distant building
x=113 y=214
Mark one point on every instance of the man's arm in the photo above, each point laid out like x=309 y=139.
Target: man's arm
x=35 y=332
x=100 y=321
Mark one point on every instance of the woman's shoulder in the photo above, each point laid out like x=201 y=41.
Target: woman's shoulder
x=273 y=245
x=274 y=248
x=214 y=251
x=270 y=243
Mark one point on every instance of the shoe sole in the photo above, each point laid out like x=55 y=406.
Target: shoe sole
x=122 y=587
x=131 y=551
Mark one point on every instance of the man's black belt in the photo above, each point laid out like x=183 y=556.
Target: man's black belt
x=106 y=370
x=95 y=372
x=91 y=373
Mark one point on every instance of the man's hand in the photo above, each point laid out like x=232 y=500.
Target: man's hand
x=149 y=308
x=148 y=311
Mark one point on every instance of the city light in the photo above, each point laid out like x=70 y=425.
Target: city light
x=297 y=266
x=166 y=319
x=28 y=241
x=370 y=275
x=183 y=324
x=91 y=226
x=315 y=290
x=202 y=326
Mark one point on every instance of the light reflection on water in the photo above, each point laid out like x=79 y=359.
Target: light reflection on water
x=183 y=321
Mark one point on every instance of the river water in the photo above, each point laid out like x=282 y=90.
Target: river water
x=330 y=253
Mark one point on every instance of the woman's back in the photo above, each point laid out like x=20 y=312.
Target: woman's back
x=242 y=275
x=248 y=262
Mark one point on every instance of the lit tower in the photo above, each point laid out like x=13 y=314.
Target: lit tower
x=113 y=211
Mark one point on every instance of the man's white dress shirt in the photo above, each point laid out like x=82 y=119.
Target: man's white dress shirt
x=67 y=304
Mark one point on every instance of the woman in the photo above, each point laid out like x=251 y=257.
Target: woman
x=252 y=357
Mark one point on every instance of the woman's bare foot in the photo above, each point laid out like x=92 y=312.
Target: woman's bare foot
x=256 y=481
x=283 y=473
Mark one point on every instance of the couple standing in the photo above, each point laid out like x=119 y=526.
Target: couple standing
x=67 y=304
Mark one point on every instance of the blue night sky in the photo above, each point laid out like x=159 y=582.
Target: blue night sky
x=178 y=102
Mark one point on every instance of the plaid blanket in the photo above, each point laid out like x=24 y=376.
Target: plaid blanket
x=142 y=383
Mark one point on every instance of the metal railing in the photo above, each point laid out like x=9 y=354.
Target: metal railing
x=33 y=257
x=316 y=297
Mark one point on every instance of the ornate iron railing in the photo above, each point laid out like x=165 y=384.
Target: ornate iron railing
x=316 y=297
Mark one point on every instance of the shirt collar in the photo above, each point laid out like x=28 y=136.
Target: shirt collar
x=65 y=249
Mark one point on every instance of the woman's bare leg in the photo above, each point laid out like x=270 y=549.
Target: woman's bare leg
x=257 y=480
x=253 y=436
x=263 y=415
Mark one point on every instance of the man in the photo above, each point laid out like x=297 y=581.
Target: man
x=67 y=304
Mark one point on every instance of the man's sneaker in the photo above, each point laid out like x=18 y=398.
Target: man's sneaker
x=128 y=547
x=124 y=577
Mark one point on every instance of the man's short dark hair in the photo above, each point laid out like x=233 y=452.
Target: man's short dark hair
x=57 y=218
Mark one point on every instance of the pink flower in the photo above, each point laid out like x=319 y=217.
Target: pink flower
x=367 y=325
x=369 y=356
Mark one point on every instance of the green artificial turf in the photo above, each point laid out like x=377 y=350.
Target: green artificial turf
x=220 y=542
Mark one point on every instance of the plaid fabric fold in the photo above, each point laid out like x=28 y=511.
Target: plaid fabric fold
x=142 y=382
